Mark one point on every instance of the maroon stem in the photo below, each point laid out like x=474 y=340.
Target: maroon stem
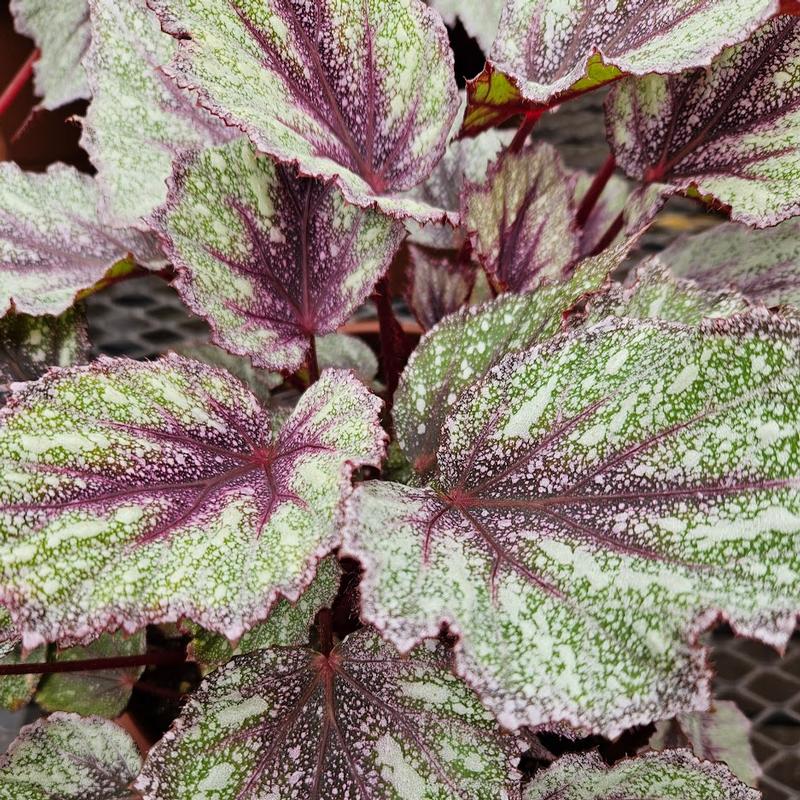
x=313 y=361
x=609 y=235
x=325 y=630
x=18 y=82
x=595 y=190
x=526 y=126
x=93 y=664
x=393 y=344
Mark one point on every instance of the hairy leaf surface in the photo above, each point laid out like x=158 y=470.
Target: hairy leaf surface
x=52 y=244
x=362 y=723
x=719 y=734
x=600 y=499
x=135 y=493
x=269 y=259
x=70 y=758
x=729 y=131
x=480 y=18
x=359 y=92
x=137 y=120
x=520 y=218
x=674 y=775
x=61 y=32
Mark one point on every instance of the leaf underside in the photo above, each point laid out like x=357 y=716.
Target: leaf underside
x=480 y=18
x=599 y=501
x=361 y=724
x=135 y=493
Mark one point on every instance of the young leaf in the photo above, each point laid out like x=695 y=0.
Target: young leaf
x=600 y=500
x=480 y=18
x=674 y=775
x=70 y=758
x=103 y=692
x=359 y=92
x=134 y=493
x=16 y=691
x=61 y=32
x=136 y=121
x=521 y=219
x=465 y=346
x=719 y=734
x=287 y=625
x=267 y=258
x=762 y=265
x=362 y=722
x=727 y=131
x=52 y=244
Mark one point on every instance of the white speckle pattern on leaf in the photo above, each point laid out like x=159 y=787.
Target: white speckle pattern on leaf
x=600 y=500
x=136 y=493
x=16 y=691
x=361 y=724
x=359 y=92
x=480 y=18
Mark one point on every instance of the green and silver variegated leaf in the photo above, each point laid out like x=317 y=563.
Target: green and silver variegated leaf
x=720 y=734
x=362 y=722
x=67 y=757
x=673 y=775
x=133 y=493
x=342 y=351
x=61 y=32
x=521 y=219
x=103 y=692
x=16 y=691
x=52 y=243
x=728 y=133
x=480 y=18
x=612 y=202
x=762 y=265
x=600 y=500
x=269 y=259
x=288 y=624
x=462 y=348
x=137 y=121
x=359 y=92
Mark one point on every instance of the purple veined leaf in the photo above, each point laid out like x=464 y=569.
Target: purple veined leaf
x=521 y=219
x=138 y=493
x=52 y=244
x=29 y=346
x=363 y=723
x=61 y=32
x=600 y=500
x=70 y=758
x=720 y=734
x=342 y=351
x=614 y=200
x=726 y=133
x=463 y=347
x=288 y=624
x=104 y=693
x=762 y=265
x=269 y=259
x=480 y=18
x=16 y=691
x=361 y=93
x=137 y=120
x=672 y=775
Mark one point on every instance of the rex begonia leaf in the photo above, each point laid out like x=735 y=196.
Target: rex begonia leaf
x=61 y=32
x=134 y=493
x=600 y=500
x=103 y=692
x=612 y=202
x=363 y=722
x=480 y=18
x=342 y=351
x=52 y=244
x=463 y=347
x=521 y=219
x=269 y=259
x=361 y=92
x=29 y=346
x=16 y=691
x=673 y=775
x=544 y=46
x=137 y=120
x=70 y=758
x=287 y=625
x=762 y=265
x=719 y=734
x=729 y=131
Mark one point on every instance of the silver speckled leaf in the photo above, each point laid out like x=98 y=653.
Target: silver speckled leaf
x=267 y=258
x=360 y=92
x=480 y=18
x=728 y=132
x=342 y=351
x=612 y=202
x=133 y=493
x=363 y=723
x=600 y=500
x=16 y=691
